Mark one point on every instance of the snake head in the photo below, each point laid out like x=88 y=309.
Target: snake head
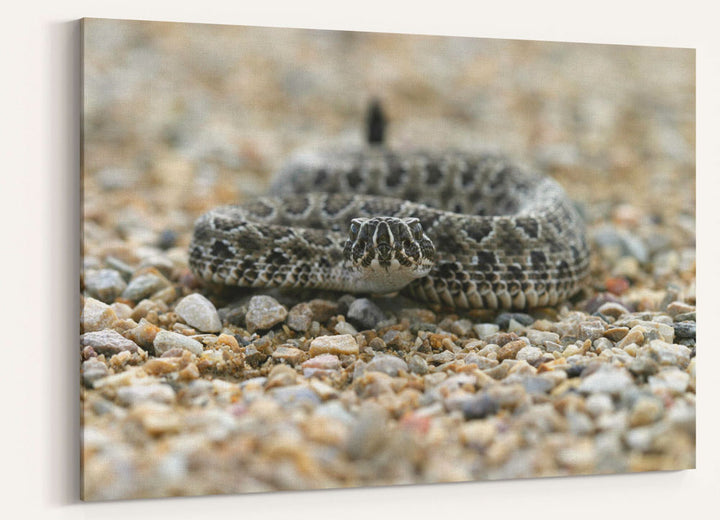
x=386 y=253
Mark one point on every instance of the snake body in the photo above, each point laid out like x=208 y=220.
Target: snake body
x=490 y=234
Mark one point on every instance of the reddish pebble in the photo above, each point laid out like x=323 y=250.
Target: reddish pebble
x=416 y=423
x=617 y=285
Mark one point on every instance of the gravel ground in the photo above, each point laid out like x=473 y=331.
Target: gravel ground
x=187 y=392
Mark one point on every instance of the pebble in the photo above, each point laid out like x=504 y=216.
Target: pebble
x=616 y=333
x=108 y=342
x=612 y=309
x=418 y=365
x=96 y=316
x=606 y=380
x=296 y=395
x=143 y=286
x=529 y=354
x=289 y=354
x=635 y=335
x=503 y=320
x=114 y=178
x=254 y=357
x=343 y=327
x=671 y=380
x=92 y=370
x=199 y=312
x=598 y=404
x=343 y=344
x=669 y=353
x=387 y=364
x=144 y=334
x=643 y=366
x=300 y=317
x=539 y=337
x=480 y=407
x=484 y=330
x=685 y=329
x=263 y=313
x=106 y=284
x=157 y=393
x=646 y=410
x=365 y=314
x=510 y=349
x=675 y=308
x=165 y=340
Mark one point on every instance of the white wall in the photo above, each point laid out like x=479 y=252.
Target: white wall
x=39 y=254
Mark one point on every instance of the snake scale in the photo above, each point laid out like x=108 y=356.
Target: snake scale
x=465 y=230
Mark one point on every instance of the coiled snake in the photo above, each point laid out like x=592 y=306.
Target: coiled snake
x=464 y=230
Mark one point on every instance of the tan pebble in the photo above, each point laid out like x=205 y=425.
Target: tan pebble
x=228 y=340
x=324 y=391
x=144 y=334
x=343 y=344
x=646 y=410
x=281 y=375
x=502 y=447
x=189 y=373
x=159 y=366
x=571 y=350
x=616 y=333
x=288 y=353
x=326 y=430
x=120 y=359
x=612 y=309
x=635 y=335
x=677 y=307
x=510 y=350
x=478 y=433
x=158 y=423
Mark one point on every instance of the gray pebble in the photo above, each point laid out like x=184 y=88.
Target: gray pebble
x=643 y=366
x=108 y=342
x=669 y=353
x=387 y=364
x=300 y=317
x=143 y=286
x=105 y=284
x=165 y=340
x=673 y=380
x=539 y=337
x=529 y=354
x=484 y=330
x=295 y=395
x=365 y=314
x=418 y=365
x=480 y=407
x=537 y=384
x=199 y=312
x=461 y=328
x=115 y=178
x=264 y=312
x=158 y=393
x=608 y=380
x=503 y=320
x=685 y=329
x=92 y=370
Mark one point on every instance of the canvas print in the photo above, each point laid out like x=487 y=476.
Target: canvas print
x=320 y=259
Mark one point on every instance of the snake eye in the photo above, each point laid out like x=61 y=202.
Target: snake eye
x=354 y=228
x=417 y=230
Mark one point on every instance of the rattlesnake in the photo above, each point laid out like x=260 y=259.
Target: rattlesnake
x=466 y=230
